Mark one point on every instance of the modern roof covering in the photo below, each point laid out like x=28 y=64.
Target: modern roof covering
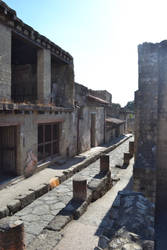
x=97 y=99
x=114 y=121
x=9 y=17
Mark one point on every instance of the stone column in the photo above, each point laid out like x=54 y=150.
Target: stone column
x=5 y=63
x=146 y=102
x=161 y=152
x=44 y=75
x=93 y=130
x=126 y=158
x=161 y=196
x=131 y=148
x=104 y=163
x=11 y=234
x=79 y=189
x=69 y=84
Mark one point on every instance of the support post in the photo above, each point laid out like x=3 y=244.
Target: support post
x=11 y=234
x=104 y=163
x=5 y=62
x=131 y=148
x=79 y=189
x=44 y=75
x=126 y=158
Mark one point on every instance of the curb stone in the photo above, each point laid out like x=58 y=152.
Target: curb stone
x=73 y=210
x=33 y=194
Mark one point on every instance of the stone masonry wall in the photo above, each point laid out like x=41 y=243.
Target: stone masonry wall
x=24 y=82
x=146 y=103
x=161 y=197
x=103 y=94
x=62 y=79
x=43 y=75
x=5 y=62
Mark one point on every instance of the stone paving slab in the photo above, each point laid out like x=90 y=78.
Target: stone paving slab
x=85 y=233
x=18 y=195
x=42 y=211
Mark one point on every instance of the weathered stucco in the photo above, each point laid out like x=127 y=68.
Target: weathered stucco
x=5 y=62
x=27 y=134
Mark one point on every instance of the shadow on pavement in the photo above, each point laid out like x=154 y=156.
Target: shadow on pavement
x=105 y=224
x=79 y=158
x=114 y=141
x=161 y=227
x=69 y=163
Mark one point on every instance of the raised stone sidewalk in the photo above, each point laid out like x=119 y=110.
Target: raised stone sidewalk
x=38 y=217
x=21 y=193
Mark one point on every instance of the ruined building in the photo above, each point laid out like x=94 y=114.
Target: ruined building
x=31 y=68
x=90 y=108
x=43 y=113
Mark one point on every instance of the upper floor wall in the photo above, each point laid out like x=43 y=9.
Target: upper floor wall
x=32 y=68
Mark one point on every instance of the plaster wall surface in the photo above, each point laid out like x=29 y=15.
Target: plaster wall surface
x=27 y=134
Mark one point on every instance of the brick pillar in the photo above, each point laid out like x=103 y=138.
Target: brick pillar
x=69 y=84
x=44 y=75
x=161 y=194
x=126 y=158
x=79 y=189
x=146 y=109
x=5 y=63
x=104 y=163
x=161 y=156
x=93 y=130
x=11 y=234
x=131 y=148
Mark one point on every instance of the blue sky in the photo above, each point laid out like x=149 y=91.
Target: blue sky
x=101 y=35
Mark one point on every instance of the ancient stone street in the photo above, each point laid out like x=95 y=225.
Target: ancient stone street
x=85 y=232
x=37 y=215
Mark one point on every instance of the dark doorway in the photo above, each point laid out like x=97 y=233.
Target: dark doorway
x=8 y=150
x=117 y=131
x=93 y=130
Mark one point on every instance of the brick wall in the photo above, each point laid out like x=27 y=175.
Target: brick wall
x=5 y=62
x=146 y=104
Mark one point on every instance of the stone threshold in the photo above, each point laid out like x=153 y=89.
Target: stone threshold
x=31 y=195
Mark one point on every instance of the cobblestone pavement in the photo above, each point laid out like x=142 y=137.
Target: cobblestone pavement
x=38 y=214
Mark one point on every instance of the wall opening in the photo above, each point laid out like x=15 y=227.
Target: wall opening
x=24 y=70
x=8 y=150
x=48 y=140
x=93 y=130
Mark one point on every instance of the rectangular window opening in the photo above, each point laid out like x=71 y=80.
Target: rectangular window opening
x=48 y=140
